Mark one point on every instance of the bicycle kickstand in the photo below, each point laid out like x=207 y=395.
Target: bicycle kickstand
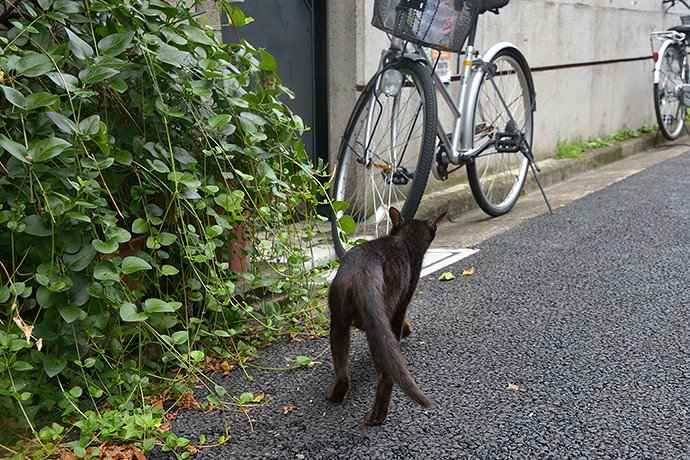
x=527 y=151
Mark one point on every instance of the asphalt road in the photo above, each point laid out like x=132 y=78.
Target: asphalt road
x=570 y=340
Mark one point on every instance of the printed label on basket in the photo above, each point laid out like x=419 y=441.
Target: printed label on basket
x=443 y=65
x=413 y=4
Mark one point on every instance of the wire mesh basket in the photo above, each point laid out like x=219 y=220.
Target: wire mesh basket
x=439 y=24
x=685 y=19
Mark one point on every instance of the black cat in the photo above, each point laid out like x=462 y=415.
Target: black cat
x=373 y=286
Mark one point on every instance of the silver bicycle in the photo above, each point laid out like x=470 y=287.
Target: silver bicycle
x=671 y=76
x=395 y=137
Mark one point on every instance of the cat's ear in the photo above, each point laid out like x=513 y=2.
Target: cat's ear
x=396 y=217
x=432 y=223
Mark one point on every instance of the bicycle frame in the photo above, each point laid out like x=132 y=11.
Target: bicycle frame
x=458 y=144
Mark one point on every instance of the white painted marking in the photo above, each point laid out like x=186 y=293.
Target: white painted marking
x=438 y=258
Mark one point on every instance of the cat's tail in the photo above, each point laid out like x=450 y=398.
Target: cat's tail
x=385 y=348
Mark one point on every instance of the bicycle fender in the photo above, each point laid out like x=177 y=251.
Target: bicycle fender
x=488 y=56
x=656 y=74
x=478 y=77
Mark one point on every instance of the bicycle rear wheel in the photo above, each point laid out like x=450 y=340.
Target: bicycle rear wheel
x=668 y=97
x=385 y=154
x=503 y=108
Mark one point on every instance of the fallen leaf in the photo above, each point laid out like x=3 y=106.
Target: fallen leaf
x=446 y=276
x=513 y=387
x=260 y=397
x=468 y=271
x=288 y=409
x=226 y=366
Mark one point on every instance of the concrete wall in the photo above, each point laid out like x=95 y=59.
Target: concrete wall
x=584 y=96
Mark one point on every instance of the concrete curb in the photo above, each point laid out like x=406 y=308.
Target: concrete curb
x=458 y=200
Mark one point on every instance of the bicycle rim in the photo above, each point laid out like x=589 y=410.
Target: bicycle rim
x=503 y=105
x=385 y=156
x=668 y=101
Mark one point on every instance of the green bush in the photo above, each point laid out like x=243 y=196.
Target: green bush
x=138 y=157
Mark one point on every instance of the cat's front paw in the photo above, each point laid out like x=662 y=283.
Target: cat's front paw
x=336 y=392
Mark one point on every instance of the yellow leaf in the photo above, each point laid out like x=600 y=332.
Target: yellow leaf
x=288 y=409
x=468 y=271
x=513 y=387
x=260 y=397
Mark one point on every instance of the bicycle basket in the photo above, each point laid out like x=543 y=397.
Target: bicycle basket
x=685 y=20
x=439 y=24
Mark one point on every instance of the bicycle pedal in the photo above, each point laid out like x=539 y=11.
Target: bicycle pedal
x=508 y=142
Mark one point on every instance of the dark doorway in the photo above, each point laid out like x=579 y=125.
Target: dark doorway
x=294 y=32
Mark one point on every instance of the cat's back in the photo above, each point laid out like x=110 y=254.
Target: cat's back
x=374 y=258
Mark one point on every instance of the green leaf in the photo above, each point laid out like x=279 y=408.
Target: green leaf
x=129 y=313
x=140 y=226
x=46 y=149
x=180 y=337
x=157 y=306
x=105 y=271
x=22 y=366
x=169 y=270
x=115 y=44
x=36 y=226
x=219 y=120
x=105 y=247
x=63 y=123
x=79 y=47
x=16 y=98
x=76 y=392
x=340 y=206
x=65 y=81
x=166 y=239
x=446 y=276
x=52 y=365
x=268 y=62
x=119 y=235
x=197 y=35
x=34 y=65
x=266 y=172
x=347 y=224
x=70 y=313
x=133 y=264
x=79 y=261
x=15 y=149
x=90 y=126
x=171 y=55
x=96 y=73
x=42 y=99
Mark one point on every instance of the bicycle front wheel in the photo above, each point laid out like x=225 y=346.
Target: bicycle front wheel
x=385 y=154
x=502 y=115
x=668 y=98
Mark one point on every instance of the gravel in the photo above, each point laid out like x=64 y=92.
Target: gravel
x=570 y=340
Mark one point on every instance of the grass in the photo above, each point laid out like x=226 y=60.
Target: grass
x=577 y=147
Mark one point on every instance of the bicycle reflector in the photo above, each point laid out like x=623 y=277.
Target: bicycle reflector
x=655 y=56
x=391 y=82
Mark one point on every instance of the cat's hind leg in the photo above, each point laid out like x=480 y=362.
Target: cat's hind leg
x=382 y=401
x=340 y=350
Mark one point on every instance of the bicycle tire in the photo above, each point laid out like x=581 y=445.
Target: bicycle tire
x=394 y=173
x=668 y=100
x=503 y=103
